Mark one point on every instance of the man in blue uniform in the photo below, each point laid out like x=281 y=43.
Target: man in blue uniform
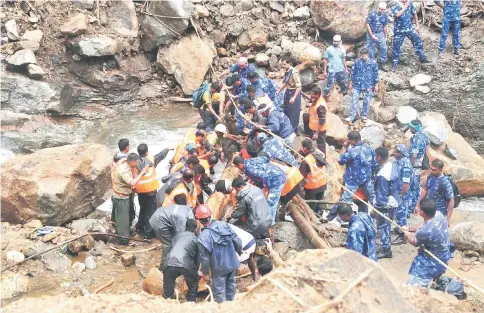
x=335 y=67
x=377 y=33
x=361 y=233
x=405 y=187
x=239 y=89
x=451 y=21
x=264 y=86
x=264 y=174
x=275 y=149
x=278 y=123
x=418 y=149
x=242 y=67
x=433 y=235
x=386 y=199
x=439 y=188
x=403 y=27
x=364 y=79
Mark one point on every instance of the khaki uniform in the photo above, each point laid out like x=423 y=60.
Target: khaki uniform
x=123 y=206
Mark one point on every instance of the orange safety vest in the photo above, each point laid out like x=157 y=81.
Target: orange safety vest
x=148 y=181
x=294 y=177
x=360 y=194
x=313 y=116
x=316 y=177
x=176 y=167
x=181 y=150
x=182 y=189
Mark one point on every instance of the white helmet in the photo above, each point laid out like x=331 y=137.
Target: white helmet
x=221 y=128
x=337 y=38
x=382 y=5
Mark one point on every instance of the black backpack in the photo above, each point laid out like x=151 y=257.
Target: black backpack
x=455 y=189
x=425 y=161
x=197 y=96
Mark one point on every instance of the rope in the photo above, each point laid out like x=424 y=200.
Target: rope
x=224 y=87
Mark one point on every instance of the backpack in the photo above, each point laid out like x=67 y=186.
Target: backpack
x=455 y=189
x=197 y=96
x=425 y=161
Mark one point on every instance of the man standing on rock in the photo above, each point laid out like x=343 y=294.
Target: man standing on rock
x=451 y=20
x=377 y=34
x=418 y=156
x=364 y=79
x=123 y=183
x=292 y=92
x=335 y=67
x=315 y=123
x=242 y=67
x=433 y=235
x=404 y=12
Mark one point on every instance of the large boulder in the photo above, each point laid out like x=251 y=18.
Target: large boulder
x=188 y=60
x=435 y=127
x=55 y=185
x=346 y=18
x=337 y=130
x=468 y=169
x=95 y=45
x=14 y=284
x=12 y=30
x=305 y=52
x=159 y=31
x=468 y=236
x=121 y=17
x=254 y=38
x=373 y=133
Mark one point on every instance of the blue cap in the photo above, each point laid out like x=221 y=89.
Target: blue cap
x=261 y=137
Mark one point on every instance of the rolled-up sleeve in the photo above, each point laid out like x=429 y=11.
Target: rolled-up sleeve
x=297 y=79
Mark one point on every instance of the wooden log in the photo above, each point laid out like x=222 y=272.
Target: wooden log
x=180 y=99
x=305 y=209
x=306 y=228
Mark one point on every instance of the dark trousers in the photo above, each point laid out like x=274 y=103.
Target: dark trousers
x=123 y=218
x=224 y=287
x=166 y=238
x=285 y=200
x=171 y=273
x=292 y=111
x=321 y=140
x=147 y=204
x=315 y=194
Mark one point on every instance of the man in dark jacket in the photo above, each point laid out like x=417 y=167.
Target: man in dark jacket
x=170 y=221
x=218 y=246
x=252 y=204
x=182 y=260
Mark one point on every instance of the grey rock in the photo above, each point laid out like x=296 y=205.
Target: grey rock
x=262 y=59
x=420 y=79
x=286 y=44
x=235 y=29
x=55 y=261
x=121 y=17
x=201 y=11
x=14 y=256
x=84 y=4
x=244 y=5
x=289 y=233
x=33 y=18
x=35 y=248
x=275 y=5
x=406 y=114
x=273 y=62
x=269 y=44
x=35 y=71
x=276 y=50
x=34 y=35
x=32 y=45
x=21 y=57
x=90 y=263
x=307 y=77
x=95 y=45
x=83 y=226
x=292 y=31
x=78 y=267
x=155 y=33
x=29 y=142
x=434 y=128
x=303 y=52
x=218 y=36
x=401 y=98
x=13 y=118
x=302 y=13
x=350 y=55
x=468 y=236
x=422 y=89
x=373 y=133
x=227 y=10
x=75 y=26
x=394 y=81
x=257 y=12
x=12 y=30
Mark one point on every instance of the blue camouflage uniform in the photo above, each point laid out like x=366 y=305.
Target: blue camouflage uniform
x=240 y=91
x=403 y=27
x=440 y=190
x=364 y=76
x=386 y=200
x=361 y=235
x=242 y=71
x=451 y=20
x=360 y=162
x=260 y=170
x=406 y=177
x=433 y=236
x=377 y=22
x=276 y=150
x=418 y=144
x=268 y=87
x=279 y=124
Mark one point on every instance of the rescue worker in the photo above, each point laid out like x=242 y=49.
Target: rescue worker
x=183 y=260
x=123 y=183
x=204 y=149
x=218 y=246
x=187 y=187
x=386 y=199
x=364 y=80
x=419 y=144
x=252 y=205
x=405 y=186
x=451 y=21
x=188 y=164
x=361 y=232
x=227 y=144
x=181 y=150
x=251 y=112
x=278 y=123
x=335 y=67
x=291 y=188
x=433 y=235
x=242 y=68
x=359 y=159
x=438 y=187
x=123 y=145
x=275 y=149
x=202 y=181
x=264 y=86
x=315 y=123
x=312 y=169
x=404 y=12
x=377 y=33
x=169 y=183
x=291 y=85
x=170 y=221
x=211 y=109
x=147 y=187
x=248 y=249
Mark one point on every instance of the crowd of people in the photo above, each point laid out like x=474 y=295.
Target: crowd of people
x=261 y=146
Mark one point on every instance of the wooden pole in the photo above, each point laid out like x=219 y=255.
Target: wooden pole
x=306 y=228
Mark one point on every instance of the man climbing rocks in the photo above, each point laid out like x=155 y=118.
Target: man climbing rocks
x=211 y=110
x=451 y=21
x=418 y=156
x=242 y=67
x=315 y=122
x=335 y=67
x=377 y=34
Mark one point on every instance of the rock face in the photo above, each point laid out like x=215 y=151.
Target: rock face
x=305 y=52
x=75 y=26
x=14 y=284
x=121 y=17
x=341 y=17
x=156 y=33
x=468 y=236
x=188 y=60
x=95 y=46
x=55 y=185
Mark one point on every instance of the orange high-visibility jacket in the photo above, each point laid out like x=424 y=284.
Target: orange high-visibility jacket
x=148 y=181
x=316 y=177
x=313 y=116
x=293 y=174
